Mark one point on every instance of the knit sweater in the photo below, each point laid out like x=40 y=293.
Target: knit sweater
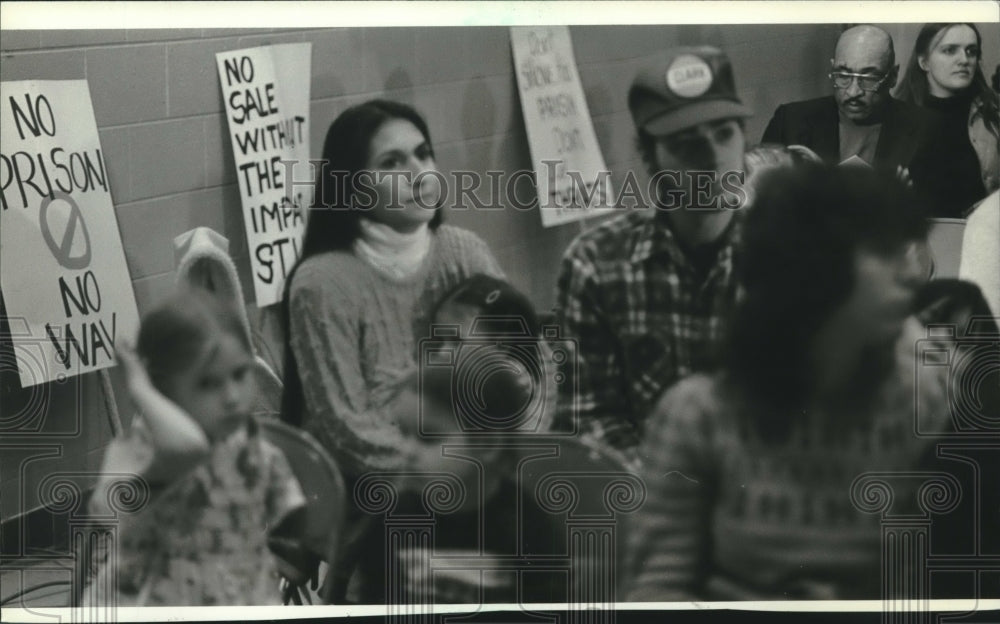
x=354 y=333
x=731 y=517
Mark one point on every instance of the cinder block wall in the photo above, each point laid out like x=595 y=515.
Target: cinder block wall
x=158 y=106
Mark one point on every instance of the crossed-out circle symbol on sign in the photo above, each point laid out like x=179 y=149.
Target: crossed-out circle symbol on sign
x=63 y=249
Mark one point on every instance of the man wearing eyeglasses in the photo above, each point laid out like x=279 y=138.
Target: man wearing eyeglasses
x=861 y=120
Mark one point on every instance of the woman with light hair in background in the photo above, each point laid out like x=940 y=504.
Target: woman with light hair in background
x=944 y=75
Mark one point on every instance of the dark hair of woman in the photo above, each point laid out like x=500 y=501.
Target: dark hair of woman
x=800 y=241
x=913 y=86
x=333 y=222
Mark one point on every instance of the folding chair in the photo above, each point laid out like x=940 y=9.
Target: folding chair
x=568 y=496
x=583 y=489
x=326 y=498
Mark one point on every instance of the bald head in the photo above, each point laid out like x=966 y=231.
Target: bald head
x=864 y=50
x=870 y=41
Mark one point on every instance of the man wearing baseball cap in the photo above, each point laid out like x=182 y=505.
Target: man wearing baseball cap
x=646 y=296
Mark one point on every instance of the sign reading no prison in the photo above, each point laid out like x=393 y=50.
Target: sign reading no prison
x=62 y=265
x=573 y=182
x=266 y=95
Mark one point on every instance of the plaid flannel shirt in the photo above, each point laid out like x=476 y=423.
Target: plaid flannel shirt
x=641 y=317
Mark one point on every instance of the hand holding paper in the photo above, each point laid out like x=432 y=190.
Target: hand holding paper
x=904 y=176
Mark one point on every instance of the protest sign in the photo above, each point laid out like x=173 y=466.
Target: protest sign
x=572 y=180
x=63 y=267
x=266 y=95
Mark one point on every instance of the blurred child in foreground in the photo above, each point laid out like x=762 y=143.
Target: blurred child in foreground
x=218 y=490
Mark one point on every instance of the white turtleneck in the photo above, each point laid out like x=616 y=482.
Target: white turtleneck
x=396 y=254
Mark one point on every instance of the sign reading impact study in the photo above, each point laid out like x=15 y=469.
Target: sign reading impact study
x=572 y=180
x=61 y=259
x=266 y=95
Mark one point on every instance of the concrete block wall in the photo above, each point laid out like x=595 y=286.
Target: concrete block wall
x=158 y=107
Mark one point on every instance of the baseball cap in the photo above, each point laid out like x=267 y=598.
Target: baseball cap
x=689 y=86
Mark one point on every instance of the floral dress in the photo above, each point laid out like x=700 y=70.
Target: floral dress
x=202 y=540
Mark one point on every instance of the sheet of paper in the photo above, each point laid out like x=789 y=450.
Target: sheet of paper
x=266 y=94
x=62 y=264
x=571 y=177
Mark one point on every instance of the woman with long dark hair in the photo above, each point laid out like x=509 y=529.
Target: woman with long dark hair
x=944 y=75
x=750 y=470
x=375 y=259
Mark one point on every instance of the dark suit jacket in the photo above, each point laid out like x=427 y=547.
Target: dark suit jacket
x=911 y=137
x=815 y=124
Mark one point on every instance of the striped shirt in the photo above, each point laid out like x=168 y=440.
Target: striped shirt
x=640 y=315
x=731 y=517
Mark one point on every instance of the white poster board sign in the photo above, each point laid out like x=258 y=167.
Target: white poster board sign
x=572 y=180
x=266 y=95
x=61 y=259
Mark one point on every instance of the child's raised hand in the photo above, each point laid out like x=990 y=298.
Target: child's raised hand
x=135 y=373
x=174 y=433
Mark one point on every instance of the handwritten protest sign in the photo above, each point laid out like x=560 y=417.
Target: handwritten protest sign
x=63 y=268
x=266 y=94
x=572 y=179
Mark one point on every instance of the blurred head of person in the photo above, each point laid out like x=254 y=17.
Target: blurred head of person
x=768 y=156
x=197 y=354
x=498 y=379
x=863 y=70
x=690 y=125
x=830 y=274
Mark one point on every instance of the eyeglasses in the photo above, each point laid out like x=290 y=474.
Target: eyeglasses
x=867 y=82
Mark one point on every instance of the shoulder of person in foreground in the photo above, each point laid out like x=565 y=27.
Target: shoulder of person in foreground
x=668 y=538
x=692 y=407
x=981 y=250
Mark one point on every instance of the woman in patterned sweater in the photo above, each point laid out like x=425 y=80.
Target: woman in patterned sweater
x=750 y=471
